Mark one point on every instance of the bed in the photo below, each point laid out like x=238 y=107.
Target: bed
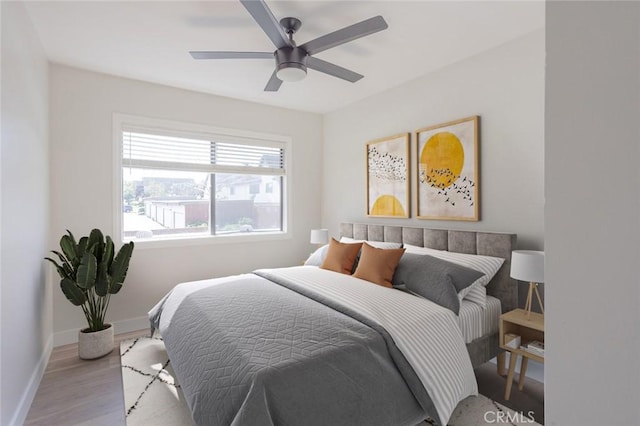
x=304 y=345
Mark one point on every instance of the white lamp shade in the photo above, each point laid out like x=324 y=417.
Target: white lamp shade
x=527 y=265
x=319 y=236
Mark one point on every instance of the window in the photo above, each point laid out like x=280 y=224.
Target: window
x=181 y=184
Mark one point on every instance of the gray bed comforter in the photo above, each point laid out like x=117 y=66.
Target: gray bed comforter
x=254 y=350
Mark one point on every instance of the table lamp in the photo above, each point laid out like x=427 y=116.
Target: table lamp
x=319 y=236
x=528 y=265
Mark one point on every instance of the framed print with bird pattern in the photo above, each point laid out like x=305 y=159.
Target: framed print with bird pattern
x=388 y=177
x=447 y=181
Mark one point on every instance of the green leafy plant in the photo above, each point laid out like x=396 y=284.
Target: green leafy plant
x=90 y=273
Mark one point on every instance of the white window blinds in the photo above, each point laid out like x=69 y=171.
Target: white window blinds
x=150 y=150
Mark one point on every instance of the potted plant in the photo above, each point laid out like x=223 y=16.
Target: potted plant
x=90 y=274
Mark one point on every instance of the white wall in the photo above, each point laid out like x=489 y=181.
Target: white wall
x=82 y=105
x=592 y=214
x=25 y=324
x=505 y=86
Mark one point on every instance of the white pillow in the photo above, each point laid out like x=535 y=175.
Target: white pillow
x=486 y=264
x=317 y=257
x=376 y=244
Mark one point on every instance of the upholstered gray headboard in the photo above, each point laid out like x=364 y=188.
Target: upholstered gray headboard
x=502 y=286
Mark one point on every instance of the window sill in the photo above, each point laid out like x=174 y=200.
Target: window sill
x=180 y=241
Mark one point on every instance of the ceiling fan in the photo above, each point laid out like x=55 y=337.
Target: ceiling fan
x=292 y=60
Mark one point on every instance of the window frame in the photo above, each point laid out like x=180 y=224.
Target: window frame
x=126 y=122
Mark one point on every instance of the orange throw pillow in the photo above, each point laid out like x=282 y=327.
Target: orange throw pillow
x=378 y=265
x=341 y=256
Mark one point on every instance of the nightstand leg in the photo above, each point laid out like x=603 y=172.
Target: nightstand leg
x=523 y=372
x=502 y=363
x=512 y=367
x=539 y=299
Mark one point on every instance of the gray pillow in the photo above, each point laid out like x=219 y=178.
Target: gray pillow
x=434 y=279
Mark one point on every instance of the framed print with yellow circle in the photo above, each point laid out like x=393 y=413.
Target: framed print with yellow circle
x=447 y=181
x=388 y=177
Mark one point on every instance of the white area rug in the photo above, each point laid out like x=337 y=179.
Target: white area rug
x=152 y=395
x=480 y=410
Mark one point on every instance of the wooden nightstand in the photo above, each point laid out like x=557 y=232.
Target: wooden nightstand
x=516 y=322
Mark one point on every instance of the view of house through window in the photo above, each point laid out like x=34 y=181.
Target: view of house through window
x=177 y=187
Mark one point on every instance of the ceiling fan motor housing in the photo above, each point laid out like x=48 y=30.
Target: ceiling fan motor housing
x=291 y=63
x=291 y=57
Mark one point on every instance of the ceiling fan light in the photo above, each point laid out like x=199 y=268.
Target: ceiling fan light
x=291 y=72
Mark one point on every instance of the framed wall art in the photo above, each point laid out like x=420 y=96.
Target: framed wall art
x=388 y=177
x=447 y=181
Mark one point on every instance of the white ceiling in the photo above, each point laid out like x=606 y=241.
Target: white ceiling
x=150 y=41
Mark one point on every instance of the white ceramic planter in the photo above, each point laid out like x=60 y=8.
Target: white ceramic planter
x=95 y=344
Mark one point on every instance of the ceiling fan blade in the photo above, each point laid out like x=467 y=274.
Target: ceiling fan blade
x=345 y=35
x=269 y=24
x=273 y=84
x=332 y=69
x=231 y=55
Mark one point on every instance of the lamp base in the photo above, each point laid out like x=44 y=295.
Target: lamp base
x=533 y=287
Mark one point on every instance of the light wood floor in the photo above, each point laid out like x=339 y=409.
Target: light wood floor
x=78 y=392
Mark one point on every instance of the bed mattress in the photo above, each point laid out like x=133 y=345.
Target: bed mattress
x=476 y=322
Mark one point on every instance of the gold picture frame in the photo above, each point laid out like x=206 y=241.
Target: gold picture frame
x=388 y=188
x=448 y=186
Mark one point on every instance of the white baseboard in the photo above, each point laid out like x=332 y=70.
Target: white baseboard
x=24 y=405
x=67 y=337
x=535 y=370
